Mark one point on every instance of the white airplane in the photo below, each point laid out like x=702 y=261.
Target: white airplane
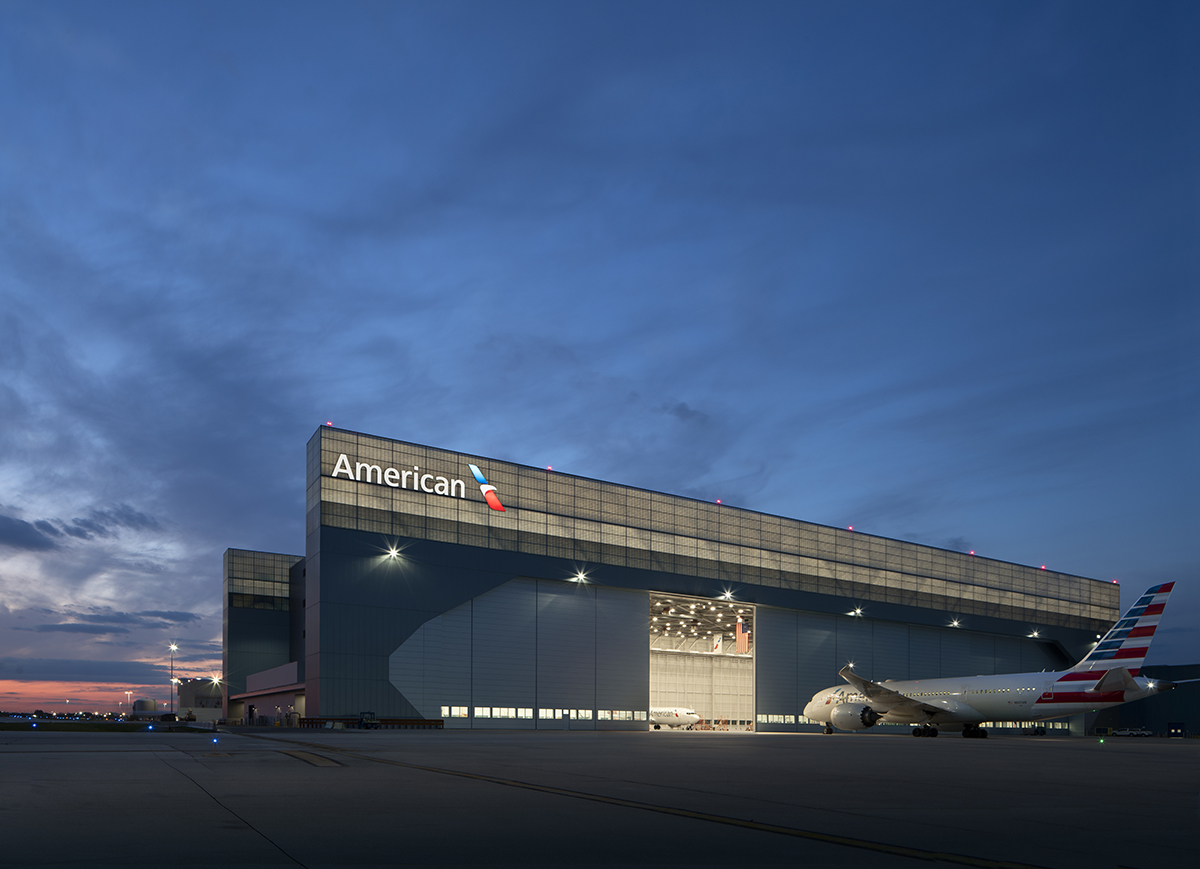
x=675 y=716
x=1107 y=676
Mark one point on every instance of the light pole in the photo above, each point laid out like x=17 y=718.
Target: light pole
x=174 y=649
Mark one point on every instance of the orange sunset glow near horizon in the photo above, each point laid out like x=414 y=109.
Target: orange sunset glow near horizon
x=90 y=696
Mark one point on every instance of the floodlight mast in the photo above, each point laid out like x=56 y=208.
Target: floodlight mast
x=174 y=649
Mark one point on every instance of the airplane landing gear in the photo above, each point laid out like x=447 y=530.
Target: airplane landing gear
x=924 y=730
x=827 y=729
x=974 y=731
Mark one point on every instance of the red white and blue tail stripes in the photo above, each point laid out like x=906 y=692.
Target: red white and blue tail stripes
x=489 y=492
x=1126 y=643
x=1124 y=646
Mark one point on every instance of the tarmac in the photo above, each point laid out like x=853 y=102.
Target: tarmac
x=272 y=797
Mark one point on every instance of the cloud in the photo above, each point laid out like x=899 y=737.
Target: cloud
x=171 y=616
x=103 y=523
x=144 y=619
x=48 y=669
x=75 y=628
x=19 y=534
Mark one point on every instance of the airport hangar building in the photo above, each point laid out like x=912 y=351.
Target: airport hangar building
x=439 y=585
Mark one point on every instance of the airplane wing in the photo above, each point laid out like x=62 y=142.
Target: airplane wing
x=884 y=699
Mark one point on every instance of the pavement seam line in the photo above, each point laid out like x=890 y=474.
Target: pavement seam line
x=250 y=826
x=312 y=759
x=810 y=835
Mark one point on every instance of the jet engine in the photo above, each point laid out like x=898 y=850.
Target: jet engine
x=851 y=716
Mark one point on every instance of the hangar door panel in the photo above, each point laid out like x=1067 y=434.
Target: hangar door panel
x=622 y=659
x=1008 y=655
x=891 y=650
x=776 y=674
x=504 y=651
x=432 y=668
x=956 y=653
x=406 y=669
x=816 y=654
x=855 y=645
x=1036 y=656
x=983 y=655
x=924 y=652
x=566 y=648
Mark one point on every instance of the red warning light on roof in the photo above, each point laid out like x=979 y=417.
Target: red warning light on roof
x=328 y=423
x=1043 y=567
x=972 y=551
x=851 y=528
x=718 y=500
x=548 y=468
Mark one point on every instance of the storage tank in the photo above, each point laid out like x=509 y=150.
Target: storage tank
x=145 y=705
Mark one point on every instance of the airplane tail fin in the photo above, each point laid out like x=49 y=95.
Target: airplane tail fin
x=1126 y=642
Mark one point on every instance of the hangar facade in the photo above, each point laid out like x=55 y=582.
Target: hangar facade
x=441 y=585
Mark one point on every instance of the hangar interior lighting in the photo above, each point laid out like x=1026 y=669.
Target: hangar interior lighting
x=954 y=623
x=683 y=626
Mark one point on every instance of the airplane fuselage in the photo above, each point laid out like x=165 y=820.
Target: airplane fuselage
x=973 y=699
x=675 y=716
x=1108 y=675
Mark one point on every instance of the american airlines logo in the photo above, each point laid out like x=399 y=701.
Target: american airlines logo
x=489 y=492
x=414 y=479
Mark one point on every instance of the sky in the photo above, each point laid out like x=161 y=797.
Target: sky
x=928 y=269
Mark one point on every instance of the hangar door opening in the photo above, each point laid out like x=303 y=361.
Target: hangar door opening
x=702 y=658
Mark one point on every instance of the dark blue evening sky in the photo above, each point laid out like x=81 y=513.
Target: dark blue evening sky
x=927 y=269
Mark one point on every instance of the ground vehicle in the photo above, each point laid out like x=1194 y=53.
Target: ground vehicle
x=1131 y=731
